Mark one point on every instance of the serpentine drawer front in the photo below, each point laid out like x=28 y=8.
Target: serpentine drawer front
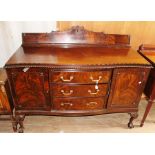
x=76 y=90
x=80 y=77
x=79 y=90
x=78 y=103
x=75 y=73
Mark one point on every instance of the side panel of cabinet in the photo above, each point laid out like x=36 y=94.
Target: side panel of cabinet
x=4 y=101
x=127 y=87
x=30 y=89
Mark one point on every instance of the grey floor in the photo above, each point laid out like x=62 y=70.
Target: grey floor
x=109 y=123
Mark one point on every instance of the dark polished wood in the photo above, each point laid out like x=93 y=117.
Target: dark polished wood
x=30 y=88
x=38 y=49
x=75 y=35
x=148 y=52
x=79 y=103
x=76 y=73
x=84 y=56
x=127 y=81
x=70 y=76
x=75 y=90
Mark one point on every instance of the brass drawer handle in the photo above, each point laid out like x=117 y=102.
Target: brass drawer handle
x=95 y=80
x=91 y=103
x=67 y=93
x=93 y=93
x=67 y=103
x=66 y=80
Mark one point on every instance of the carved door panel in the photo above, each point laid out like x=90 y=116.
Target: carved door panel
x=30 y=89
x=127 y=87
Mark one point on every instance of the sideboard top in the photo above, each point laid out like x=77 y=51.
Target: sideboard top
x=76 y=56
x=76 y=46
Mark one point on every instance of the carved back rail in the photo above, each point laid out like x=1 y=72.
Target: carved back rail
x=76 y=36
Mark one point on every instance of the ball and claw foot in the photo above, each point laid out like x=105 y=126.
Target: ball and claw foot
x=132 y=117
x=20 y=130
x=20 y=123
x=130 y=125
x=17 y=123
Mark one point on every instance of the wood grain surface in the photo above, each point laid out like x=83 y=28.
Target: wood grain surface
x=140 y=31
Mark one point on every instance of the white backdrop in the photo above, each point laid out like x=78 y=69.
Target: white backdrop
x=10 y=35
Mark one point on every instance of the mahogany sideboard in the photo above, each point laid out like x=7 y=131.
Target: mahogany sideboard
x=148 y=52
x=76 y=73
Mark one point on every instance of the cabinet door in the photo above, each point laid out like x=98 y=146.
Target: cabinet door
x=30 y=88
x=127 y=87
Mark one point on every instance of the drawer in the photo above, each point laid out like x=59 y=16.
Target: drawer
x=80 y=77
x=64 y=90
x=78 y=103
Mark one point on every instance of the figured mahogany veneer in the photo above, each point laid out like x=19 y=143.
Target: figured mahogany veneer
x=127 y=87
x=78 y=103
x=81 y=77
x=30 y=89
x=76 y=73
x=76 y=35
x=79 y=90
